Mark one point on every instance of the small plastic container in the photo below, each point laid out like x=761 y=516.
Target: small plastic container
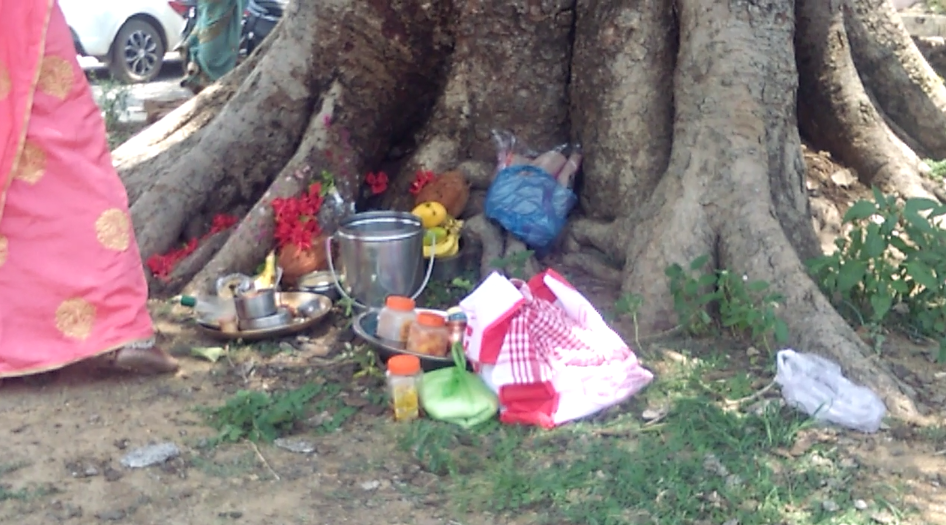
x=429 y=335
x=395 y=319
x=404 y=376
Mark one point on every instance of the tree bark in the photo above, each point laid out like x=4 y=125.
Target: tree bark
x=835 y=111
x=891 y=66
x=626 y=49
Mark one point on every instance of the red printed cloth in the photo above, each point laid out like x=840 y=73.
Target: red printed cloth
x=545 y=350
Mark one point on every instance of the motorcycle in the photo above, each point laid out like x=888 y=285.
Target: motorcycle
x=259 y=19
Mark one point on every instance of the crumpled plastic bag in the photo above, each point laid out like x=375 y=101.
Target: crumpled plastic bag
x=816 y=386
x=456 y=395
x=531 y=194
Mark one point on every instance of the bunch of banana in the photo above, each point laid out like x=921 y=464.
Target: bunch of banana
x=441 y=232
x=267 y=278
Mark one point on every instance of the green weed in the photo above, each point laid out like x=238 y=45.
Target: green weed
x=113 y=103
x=261 y=416
x=746 y=308
x=442 y=295
x=891 y=269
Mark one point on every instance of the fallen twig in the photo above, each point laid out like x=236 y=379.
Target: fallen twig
x=263 y=460
x=753 y=397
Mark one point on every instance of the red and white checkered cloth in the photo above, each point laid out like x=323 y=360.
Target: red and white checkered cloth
x=544 y=349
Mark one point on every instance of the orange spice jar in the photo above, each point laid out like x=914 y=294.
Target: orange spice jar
x=429 y=335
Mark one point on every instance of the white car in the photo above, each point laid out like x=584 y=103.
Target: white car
x=130 y=36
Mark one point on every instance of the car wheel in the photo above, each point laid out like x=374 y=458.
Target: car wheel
x=137 y=53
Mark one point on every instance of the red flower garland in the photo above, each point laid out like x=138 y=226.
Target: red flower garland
x=421 y=179
x=296 y=218
x=162 y=265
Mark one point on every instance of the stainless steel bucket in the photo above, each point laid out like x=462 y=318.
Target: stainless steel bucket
x=381 y=254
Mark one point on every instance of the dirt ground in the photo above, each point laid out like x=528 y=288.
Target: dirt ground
x=65 y=433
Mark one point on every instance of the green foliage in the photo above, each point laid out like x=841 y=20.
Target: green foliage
x=891 y=268
x=746 y=308
x=259 y=416
x=513 y=265
x=442 y=295
x=937 y=168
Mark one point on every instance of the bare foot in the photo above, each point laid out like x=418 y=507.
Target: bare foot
x=146 y=360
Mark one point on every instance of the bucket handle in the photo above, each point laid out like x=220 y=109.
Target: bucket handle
x=338 y=286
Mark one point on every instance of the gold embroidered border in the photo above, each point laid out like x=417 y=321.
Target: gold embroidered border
x=21 y=142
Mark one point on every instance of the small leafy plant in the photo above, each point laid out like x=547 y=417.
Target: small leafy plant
x=692 y=292
x=259 y=416
x=513 y=265
x=891 y=268
x=746 y=308
x=443 y=295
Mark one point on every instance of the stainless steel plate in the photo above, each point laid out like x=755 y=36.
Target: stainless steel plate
x=292 y=300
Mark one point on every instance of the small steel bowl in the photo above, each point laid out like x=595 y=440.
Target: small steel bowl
x=282 y=318
x=256 y=304
x=321 y=283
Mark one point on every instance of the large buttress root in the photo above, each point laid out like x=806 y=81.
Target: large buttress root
x=835 y=111
x=359 y=115
x=246 y=144
x=735 y=154
x=178 y=130
x=891 y=66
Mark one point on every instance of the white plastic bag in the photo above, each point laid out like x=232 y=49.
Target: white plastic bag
x=817 y=386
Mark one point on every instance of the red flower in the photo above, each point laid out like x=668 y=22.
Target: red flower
x=378 y=182
x=421 y=179
x=296 y=218
x=163 y=265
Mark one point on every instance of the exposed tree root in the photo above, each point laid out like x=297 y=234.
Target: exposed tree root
x=891 y=66
x=836 y=113
x=594 y=267
x=489 y=236
x=733 y=188
x=277 y=103
x=248 y=245
x=178 y=132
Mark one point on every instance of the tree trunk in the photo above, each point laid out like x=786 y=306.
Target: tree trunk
x=685 y=109
x=891 y=66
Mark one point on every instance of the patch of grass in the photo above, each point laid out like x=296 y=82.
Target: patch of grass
x=262 y=416
x=514 y=265
x=700 y=463
x=13 y=466
x=8 y=493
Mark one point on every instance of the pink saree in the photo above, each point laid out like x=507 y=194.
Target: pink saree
x=71 y=280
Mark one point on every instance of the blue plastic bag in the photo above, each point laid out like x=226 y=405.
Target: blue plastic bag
x=530 y=204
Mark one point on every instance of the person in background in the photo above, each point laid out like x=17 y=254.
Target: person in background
x=213 y=47
x=72 y=285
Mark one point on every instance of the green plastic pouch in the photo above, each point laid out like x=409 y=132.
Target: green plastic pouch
x=457 y=395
